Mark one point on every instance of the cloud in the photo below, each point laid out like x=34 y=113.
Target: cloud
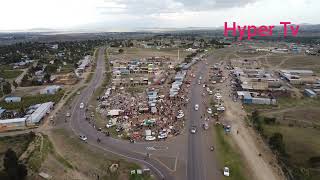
x=147 y=7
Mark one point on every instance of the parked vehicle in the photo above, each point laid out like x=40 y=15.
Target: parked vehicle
x=83 y=138
x=110 y=124
x=226 y=171
x=227 y=128
x=150 y=138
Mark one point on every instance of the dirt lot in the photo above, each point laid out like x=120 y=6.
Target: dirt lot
x=86 y=162
x=132 y=53
x=289 y=61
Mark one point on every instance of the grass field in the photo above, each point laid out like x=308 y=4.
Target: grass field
x=32 y=100
x=132 y=53
x=288 y=61
x=228 y=156
x=90 y=160
x=10 y=74
x=300 y=143
x=284 y=103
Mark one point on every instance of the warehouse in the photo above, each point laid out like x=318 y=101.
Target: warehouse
x=40 y=112
x=50 y=89
x=310 y=93
x=8 y=124
x=247 y=98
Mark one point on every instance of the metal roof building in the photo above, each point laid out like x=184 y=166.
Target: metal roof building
x=12 y=99
x=40 y=112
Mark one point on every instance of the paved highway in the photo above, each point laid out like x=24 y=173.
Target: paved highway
x=202 y=163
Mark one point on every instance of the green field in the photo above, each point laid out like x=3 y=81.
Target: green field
x=228 y=156
x=88 y=160
x=27 y=101
x=10 y=74
x=300 y=143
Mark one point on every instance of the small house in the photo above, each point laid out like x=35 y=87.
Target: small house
x=12 y=99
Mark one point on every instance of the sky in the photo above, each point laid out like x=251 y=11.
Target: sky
x=126 y=15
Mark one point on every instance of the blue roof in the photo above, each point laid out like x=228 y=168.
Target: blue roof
x=2 y=111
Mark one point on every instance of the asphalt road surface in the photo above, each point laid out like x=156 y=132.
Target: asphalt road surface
x=201 y=163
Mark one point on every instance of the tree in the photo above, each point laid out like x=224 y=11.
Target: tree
x=51 y=68
x=14 y=169
x=15 y=84
x=276 y=143
x=121 y=51
x=47 y=77
x=6 y=88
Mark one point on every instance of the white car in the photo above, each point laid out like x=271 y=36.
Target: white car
x=109 y=125
x=68 y=114
x=162 y=136
x=81 y=105
x=83 y=138
x=150 y=138
x=193 y=129
x=200 y=78
x=196 y=107
x=180 y=115
x=226 y=171
x=209 y=111
x=221 y=108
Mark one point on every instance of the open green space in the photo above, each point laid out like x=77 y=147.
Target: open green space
x=87 y=159
x=295 y=143
x=228 y=156
x=10 y=74
x=27 y=101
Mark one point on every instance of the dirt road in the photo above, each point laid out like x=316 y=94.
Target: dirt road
x=247 y=140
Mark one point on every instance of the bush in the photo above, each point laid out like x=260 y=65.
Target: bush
x=314 y=161
x=268 y=120
x=276 y=143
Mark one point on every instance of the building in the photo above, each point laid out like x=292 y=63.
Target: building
x=247 y=98
x=41 y=110
x=2 y=111
x=12 y=123
x=50 y=89
x=12 y=99
x=310 y=93
x=298 y=77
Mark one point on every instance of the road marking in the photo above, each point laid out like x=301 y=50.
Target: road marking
x=155 y=148
x=176 y=161
x=150 y=148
